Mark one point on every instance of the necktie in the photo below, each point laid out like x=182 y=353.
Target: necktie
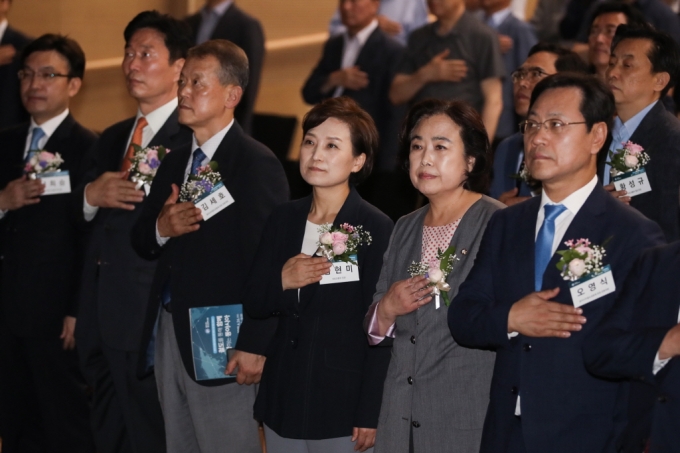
x=136 y=140
x=199 y=157
x=35 y=139
x=544 y=242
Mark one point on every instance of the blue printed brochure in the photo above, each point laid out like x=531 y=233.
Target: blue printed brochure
x=213 y=331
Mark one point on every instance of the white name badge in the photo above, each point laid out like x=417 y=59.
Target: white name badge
x=215 y=201
x=592 y=287
x=634 y=183
x=55 y=182
x=341 y=272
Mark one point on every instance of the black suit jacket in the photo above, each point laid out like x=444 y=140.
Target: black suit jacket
x=246 y=32
x=659 y=135
x=116 y=281
x=42 y=245
x=12 y=111
x=211 y=266
x=564 y=407
x=627 y=343
x=379 y=58
x=321 y=377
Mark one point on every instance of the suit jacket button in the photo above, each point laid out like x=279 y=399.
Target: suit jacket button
x=296 y=316
x=293 y=343
x=663 y=399
x=410 y=380
x=415 y=424
x=527 y=347
x=413 y=339
x=513 y=390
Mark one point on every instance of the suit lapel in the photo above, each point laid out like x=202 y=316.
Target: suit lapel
x=525 y=246
x=119 y=146
x=366 y=53
x=169 y=129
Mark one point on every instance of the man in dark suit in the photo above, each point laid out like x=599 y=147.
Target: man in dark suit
x=116 y=282
x=361 y=63
x=43 y=399
x=12 y=41
x=544 y=59
x=640 y=340
x=517 y=302
x=644 y=65
x=205 y=263
x=222 y=19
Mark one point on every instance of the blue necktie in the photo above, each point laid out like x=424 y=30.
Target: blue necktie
x=35 y=139
x=544 y=242
x=199 y=157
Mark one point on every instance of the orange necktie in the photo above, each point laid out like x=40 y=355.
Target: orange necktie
x=136 y=140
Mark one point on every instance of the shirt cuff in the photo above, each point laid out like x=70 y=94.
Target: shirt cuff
x=160 y=239
x=512 y=335
x=2 y=213
x=659 y=364
x=89 y=211
x=374 y=336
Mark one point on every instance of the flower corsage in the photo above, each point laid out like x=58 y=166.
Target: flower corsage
x=630 y=158
x=581 y=258
x=525 y=176
x=42 y=161
x=341 y=243
x=437 y=271
x=203 y=182
x=145 y=163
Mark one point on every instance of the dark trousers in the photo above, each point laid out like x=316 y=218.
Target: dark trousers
x=43 y=397
x=126 y=413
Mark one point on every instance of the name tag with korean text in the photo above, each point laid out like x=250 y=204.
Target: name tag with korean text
x=57 y=182
x=592 y=287
x=342 y=272
x=215 y=201
x=634 y=183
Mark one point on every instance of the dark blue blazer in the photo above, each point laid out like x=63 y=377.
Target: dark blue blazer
x=321 y=377
x=626 y=345
x=379 y=59
x=564 y=407
x=210 y=266
x=505 y=165
x=523 y=39
x=116 y=282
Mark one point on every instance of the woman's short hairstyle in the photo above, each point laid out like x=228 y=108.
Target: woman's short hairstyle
x=362 y=129
x=472 y=133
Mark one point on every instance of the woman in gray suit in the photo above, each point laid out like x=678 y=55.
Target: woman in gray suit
x=436 y=392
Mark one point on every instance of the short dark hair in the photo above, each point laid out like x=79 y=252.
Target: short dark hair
x=472 y=133
x=664 y=53
x=567 y=60
x=362 y=129
x=177 y=34
x=597 y=101
x=63 y=45
x=233 y=60
x=633 y=16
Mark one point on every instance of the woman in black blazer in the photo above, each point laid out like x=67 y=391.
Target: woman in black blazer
x=321 y=387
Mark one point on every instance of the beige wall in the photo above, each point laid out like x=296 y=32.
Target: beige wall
x=98 y=26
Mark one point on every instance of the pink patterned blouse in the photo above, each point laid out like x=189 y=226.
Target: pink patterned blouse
x=434 y=238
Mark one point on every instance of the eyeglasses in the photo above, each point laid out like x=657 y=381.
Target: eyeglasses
x=44 y=76
x=531 y=74
x=529 y=127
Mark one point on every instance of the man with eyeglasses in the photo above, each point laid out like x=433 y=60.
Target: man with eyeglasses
x=42 y=394
x=643 y=66
x=544 y=59
x=116 y=282
x=536 y=314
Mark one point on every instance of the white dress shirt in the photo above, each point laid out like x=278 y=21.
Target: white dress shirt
x=352 y=48
x=208 y=148
x=48 y=127
x=659 y=364
x=155 y=120
x=573 y=203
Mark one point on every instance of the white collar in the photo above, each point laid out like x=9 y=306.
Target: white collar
x=362 y=36
x=211 y=145
x=575 y=201
x=3 y=28
x=222 y=8
x=158 y=117
x=49 y=126
x=498 y=17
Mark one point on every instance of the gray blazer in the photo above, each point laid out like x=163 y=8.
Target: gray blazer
x=434 y=387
